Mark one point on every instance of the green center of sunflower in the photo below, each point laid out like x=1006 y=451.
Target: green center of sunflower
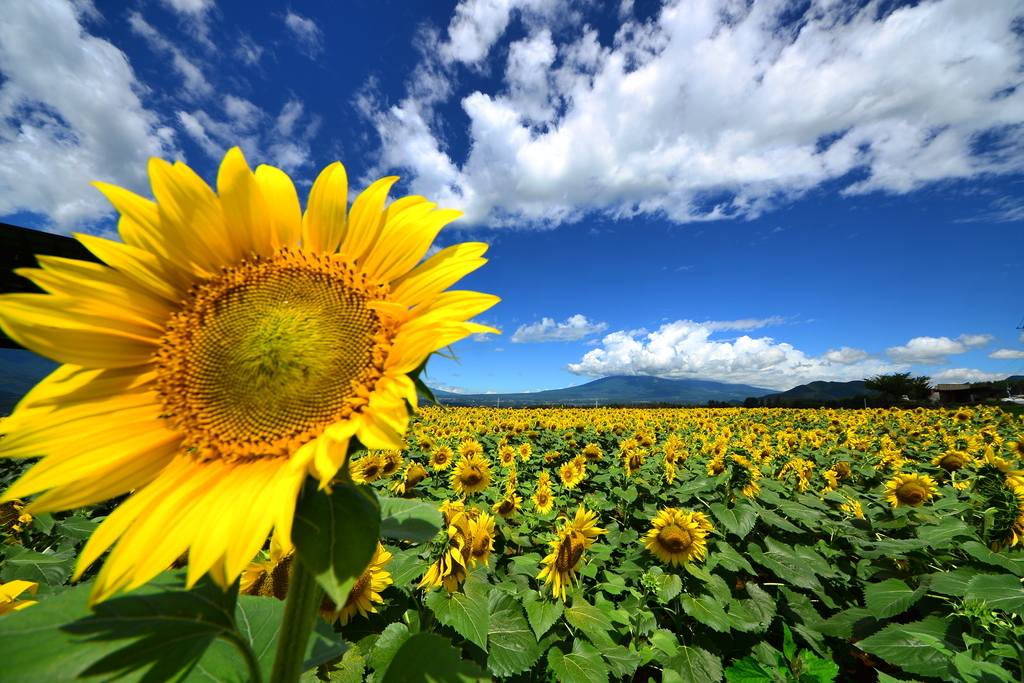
x=265 y=356
x=675 y=539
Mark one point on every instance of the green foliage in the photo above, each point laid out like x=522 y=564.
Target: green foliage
x=899 y=384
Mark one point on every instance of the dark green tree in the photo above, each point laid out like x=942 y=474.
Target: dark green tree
x=900 y=384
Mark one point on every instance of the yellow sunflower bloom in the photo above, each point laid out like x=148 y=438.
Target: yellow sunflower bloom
x=909 y=489
x=365 y=592
x=471 y=475
x=11 y=590
x=231 y=346
x=480 y=539
x=414 y=474
x=677 y=537
x=508 y=506
x=574 y=537
x=542 y=498
x=449 y=570
x=367 y=469
x=951 y=460
x=441 y=457
x=573 y=472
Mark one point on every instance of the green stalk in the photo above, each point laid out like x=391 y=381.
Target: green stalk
x=300 y=610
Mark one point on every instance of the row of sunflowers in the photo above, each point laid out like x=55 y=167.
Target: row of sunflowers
x=673 y=545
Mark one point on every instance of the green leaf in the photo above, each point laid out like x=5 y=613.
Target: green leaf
x=590 y=620
x=975 y=671
x=999 y=592
x=429 y=658
x=855 y=622
x=28 y=565
x=76 y=527
x=33 y=648
x=695 y=665
x=738 y=520
x=891 y=597
x=391 y=639
x=941 y=535
x=754 y=613
x=886 y=678
x=259 y=623
x=43 y=522
x=669 y=586
x=583 y=665
x=409 y=520
x=817 y=669
x=468 y=612
x=980 y=552
x=746 y=670
x=622 y=660
x=778 y=521
x=541 y=612
x=786 y=565
x=169 y=630
x=336 y=535
x=512 y=647
x=953 y=583
x=911 y=647
x=728 y=557
x=788 y=644
x=706 y=610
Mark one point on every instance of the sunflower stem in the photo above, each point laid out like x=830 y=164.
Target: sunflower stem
x=300 y=610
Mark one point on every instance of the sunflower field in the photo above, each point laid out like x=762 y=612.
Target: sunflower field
x=578 y=546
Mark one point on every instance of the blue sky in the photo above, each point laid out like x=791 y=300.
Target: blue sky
x=764 y=192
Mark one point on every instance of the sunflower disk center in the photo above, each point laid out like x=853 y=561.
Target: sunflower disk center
x=676 y=540
x=269 y=354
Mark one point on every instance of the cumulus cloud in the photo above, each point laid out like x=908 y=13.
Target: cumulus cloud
x=684 y=349
x=1000 y=354
x=307 y=35
x=710 y=109
x=279 y=141
x=844 y=355
x=933 y=350
x=57 y=134
x=547 y=330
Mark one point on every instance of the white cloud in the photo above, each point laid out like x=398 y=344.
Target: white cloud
x=933 y=350
x=195 y=84
x=248 y=50
x=70 y=112
x=263 y=138
x=964 y=375
x=190 y=7
x=307 y=34
x=1001 y=354
x=547 y=330
x=683 y=349
x=845 y=355
x=712 y=108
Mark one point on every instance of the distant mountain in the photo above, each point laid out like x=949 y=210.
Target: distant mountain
x=615 y=390
x=824 y=391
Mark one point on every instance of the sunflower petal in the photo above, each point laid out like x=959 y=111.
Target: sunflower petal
x=438 y=272
x=323 y=224
x=283 y=207
x=158 y=275
x=245 y=212
x=366 y=219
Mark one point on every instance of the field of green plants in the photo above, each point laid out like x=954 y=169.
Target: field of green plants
x=579 y=546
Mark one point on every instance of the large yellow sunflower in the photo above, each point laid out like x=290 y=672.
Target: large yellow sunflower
x=677 y=536
x=909 y=489
x=542 y=497
x=231 y=345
